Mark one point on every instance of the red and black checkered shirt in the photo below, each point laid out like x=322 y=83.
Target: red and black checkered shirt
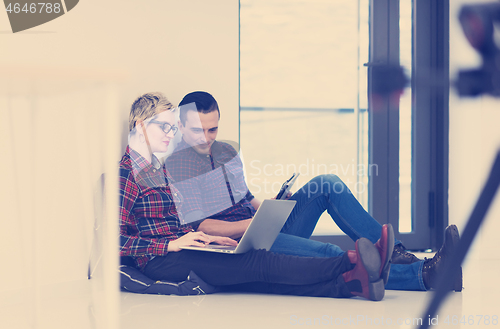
x=147 y=209
x=212 y=186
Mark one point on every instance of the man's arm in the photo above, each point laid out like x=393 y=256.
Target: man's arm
x=255 y=203
x=233 y=230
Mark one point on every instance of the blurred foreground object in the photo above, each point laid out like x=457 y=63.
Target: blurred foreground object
x=388 y=79
x=481 y=25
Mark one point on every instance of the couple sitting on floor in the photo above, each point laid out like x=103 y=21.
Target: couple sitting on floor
x=156 y=219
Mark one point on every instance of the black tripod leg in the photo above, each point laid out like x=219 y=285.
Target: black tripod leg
x=444 y=283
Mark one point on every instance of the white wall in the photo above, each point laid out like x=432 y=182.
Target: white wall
x=474 y=141
x=65 y=92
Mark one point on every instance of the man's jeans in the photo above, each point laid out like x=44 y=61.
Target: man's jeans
x=328 y=192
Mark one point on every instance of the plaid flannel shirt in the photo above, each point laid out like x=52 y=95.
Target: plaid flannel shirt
x=147 y=209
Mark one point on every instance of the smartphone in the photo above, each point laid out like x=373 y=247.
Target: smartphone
x=287 y=185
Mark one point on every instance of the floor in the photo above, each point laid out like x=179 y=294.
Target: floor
x=70 y=305
x=476 y=306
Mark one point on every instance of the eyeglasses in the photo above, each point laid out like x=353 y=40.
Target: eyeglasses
x=165 y=126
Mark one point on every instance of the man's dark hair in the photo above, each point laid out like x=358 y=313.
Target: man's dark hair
x=200 y=101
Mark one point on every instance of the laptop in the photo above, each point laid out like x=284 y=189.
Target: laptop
x=262 y=231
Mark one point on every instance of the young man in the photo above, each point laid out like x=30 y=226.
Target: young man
x=217 y=201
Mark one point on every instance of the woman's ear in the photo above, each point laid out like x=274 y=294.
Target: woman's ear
x=140 y=127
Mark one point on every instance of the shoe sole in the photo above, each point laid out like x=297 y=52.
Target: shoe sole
x=370 y=258
x=453 y=234
x=455 y=238
x=384 y=274
x=457 y=285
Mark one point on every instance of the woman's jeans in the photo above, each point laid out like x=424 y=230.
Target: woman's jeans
x=328 y=192
x=256 y=271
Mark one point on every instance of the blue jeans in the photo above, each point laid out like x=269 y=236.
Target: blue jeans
x=328 y=192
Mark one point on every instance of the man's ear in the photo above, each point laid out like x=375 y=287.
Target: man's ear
x=181 y=126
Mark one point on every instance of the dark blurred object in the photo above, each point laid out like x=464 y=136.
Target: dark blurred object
x=478 y=23
x=476 y=218
x=388 y=78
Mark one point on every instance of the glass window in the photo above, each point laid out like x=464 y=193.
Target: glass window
x=405 y=119
x=303 y=92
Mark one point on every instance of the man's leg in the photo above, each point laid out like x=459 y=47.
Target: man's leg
x=296 y=246
x=328 y=192
x=401 y=277
x=406 y=277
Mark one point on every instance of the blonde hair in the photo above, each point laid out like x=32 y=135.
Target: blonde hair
x=146 y=106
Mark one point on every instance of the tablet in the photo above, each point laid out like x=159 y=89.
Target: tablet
x=285 y=188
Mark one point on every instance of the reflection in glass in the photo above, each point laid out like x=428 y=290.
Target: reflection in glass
x=303 y=94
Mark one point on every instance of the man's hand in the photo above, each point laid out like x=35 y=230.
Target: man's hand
x=288 y=196
x=222 y=240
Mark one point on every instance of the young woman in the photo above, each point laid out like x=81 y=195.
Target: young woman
x=151 y=231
